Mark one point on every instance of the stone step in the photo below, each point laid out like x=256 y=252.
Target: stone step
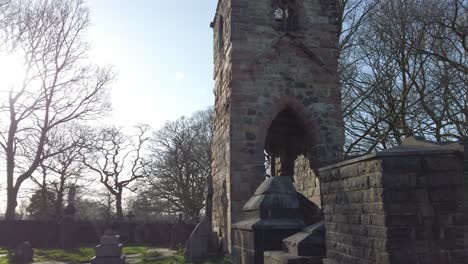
x=280 y=257
x=309 y=242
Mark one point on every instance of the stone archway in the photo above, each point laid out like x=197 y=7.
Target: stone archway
x=286 y=140
x=289 y=141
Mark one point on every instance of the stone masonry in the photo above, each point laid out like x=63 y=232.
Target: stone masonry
x=273 y=58
x=406 y=205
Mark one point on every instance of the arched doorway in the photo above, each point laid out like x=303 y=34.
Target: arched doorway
x=288 y=144
x=286 y=140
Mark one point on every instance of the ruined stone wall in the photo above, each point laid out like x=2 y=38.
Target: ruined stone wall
x=305 y=180
x=396 y=208
x=262 y=71
x=221 y=136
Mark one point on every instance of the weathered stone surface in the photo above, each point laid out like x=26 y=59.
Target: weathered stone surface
x=278 y=217
x=109 y=251
x=310 y=211
x=309 y=242
x=180 y=232
x=276 y=90
x=200 y=245
x=112 y=260
x=279 y=257
x=23 y=253
x=393 y=207
x=106 y=250
x=110 y=240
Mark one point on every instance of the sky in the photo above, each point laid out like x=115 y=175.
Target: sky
x=161 y=52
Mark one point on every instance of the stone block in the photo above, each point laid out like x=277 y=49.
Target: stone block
x=446 y=162
x=110 y=240
x=377 y=220
x=279 y=257
x=375 y=180
x=309 y=242
x=404 y=164
x=107 y=250
x=111 y=260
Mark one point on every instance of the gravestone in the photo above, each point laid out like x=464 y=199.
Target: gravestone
x=22 y=254
x=67 y=232
x=202 y=242
x=180 y=232
x=109 y=251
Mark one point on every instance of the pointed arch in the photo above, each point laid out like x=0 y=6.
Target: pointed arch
x=291 y=107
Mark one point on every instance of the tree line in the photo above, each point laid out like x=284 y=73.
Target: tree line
x=45 y=136
x=402 y=69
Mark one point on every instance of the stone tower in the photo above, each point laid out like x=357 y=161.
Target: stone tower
x=278 y=101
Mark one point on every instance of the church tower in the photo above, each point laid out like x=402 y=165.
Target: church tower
x=278 y=100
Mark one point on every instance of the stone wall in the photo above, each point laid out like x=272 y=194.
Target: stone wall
x=305 y=180
x=261 y=70
x=354 y=214
x=221 y=136
x=47 y=234
x=396 y=207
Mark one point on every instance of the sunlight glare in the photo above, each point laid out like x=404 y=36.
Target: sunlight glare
x=11 y=72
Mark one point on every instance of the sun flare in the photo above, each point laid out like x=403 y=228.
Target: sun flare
x=12 y=72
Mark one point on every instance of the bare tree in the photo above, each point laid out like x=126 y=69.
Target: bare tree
x=181 y=163
x=58 y=86
x=446 y=23
x=65 y=169
x=117 y=160
x=392 y=90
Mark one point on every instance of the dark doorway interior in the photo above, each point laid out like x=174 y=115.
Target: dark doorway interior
x=285 y=141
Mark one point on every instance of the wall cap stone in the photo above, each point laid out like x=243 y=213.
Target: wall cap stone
x=396 y=152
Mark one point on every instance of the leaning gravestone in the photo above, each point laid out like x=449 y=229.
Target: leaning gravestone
x=109 y=251
x=22 y=254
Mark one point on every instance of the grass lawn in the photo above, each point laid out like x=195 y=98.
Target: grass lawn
x=3 y=260
x=84 y=254
x=80 y=255
x=75 y=256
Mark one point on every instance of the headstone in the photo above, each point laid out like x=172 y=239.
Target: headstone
x=201 y=244
x=180 y=232
x=67 y=231
x=22 y=254
x=109 y=251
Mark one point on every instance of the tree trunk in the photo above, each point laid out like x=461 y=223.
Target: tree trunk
x=118 y=206
x=11 y=204
x=59 y=206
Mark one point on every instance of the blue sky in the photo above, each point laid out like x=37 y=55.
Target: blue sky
x=162 y=53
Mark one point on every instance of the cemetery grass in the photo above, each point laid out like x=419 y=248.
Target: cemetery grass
x=84 y=255
x=4 y=259
x=80 y=255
